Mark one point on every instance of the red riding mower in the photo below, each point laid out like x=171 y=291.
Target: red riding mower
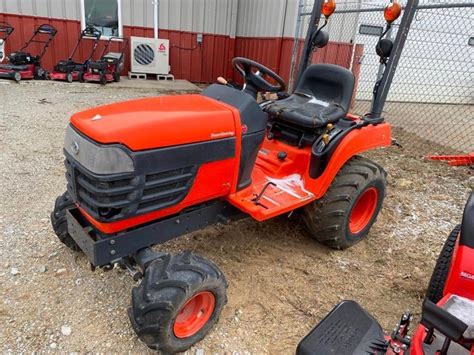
x=5 y=32
x=24 y=65
x=142 y=172
x=69 y=70
x=109 y=66
x=447 y=320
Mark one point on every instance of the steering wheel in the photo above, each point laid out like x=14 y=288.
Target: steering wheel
x=254 y=81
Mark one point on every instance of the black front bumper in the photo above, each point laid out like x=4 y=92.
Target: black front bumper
x=103 y=249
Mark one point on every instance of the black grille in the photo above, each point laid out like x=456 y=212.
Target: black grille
x=117 y=196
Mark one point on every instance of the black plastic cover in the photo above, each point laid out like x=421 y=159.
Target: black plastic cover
x=467 y=227
x=321 y=153
x=21 y=58
x=347 y=330
x=251 y=114
x=250 y=146
x=435 y=317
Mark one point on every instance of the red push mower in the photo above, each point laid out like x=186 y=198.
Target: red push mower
x=70 y=70
x=24 y=65
x=5 y=31
x=108 y=68
x=447 y=319
x=145 y=171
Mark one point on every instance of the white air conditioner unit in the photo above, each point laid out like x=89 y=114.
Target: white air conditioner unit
x=2 y=51
x=150 y=55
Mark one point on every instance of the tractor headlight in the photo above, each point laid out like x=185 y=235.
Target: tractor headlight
x=95 y=158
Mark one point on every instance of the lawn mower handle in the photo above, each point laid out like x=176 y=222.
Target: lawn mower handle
x=6 y=28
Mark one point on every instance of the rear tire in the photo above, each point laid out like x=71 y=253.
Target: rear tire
x=58 y=221
x=116 y=77
x=440 y=273
x=345 y=214
x=177 y=302
x=102 y=79
x=40 y=73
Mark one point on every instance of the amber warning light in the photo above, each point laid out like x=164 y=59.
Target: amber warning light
x=392 y=12
x=329 y=6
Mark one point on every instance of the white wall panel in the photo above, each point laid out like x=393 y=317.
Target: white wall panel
x=253 y=18
x=261 y=18
x=62 y=9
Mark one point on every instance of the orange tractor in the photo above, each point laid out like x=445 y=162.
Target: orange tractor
x=145 y=171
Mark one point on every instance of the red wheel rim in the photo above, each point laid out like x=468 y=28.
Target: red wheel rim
x=194 y=314
x=363 y=210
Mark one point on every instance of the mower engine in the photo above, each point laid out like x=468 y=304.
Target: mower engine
x=22 y=58
x=68 y=66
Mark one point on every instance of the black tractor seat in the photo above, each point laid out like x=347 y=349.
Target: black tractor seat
x=322 y=96
x=13 y=67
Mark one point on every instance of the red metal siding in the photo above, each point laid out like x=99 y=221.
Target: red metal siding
x=202 y=63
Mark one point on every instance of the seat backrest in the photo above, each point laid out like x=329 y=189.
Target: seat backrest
x=329 y=83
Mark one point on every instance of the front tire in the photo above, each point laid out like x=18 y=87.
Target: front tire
x=177 y=302
x=58 y=220
x=345 y=214
x=441 y=270
x=17 y=77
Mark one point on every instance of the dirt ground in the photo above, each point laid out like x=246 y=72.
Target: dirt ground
x=281 y=282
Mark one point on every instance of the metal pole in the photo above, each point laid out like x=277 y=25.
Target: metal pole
x=380 y=94
x=294 y=52
x=155 y=18
x=381 y=65
x=313 y=26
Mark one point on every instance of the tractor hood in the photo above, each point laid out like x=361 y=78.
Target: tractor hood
x=157 y=122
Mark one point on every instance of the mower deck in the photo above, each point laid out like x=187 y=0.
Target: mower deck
x=9 y=71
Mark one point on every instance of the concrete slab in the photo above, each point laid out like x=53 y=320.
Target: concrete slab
x=125 y=83
x=176 y=85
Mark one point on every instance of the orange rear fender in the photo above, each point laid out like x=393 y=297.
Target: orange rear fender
x=357 y=141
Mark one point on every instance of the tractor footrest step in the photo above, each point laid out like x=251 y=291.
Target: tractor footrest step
x=165 y=77
x=140 y=76
x=347 y=330
x=268 y=197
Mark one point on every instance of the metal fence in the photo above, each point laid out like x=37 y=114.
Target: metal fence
x=431 y=97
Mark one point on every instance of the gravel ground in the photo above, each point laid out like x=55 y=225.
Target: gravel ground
x=280 y=281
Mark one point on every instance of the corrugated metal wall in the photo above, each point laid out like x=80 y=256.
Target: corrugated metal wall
x=259 y=29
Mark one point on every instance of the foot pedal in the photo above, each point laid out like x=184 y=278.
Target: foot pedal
x=140 y=76
x=347 y=330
